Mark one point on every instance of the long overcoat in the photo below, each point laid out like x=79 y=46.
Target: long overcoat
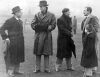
x=65 y=44
x=89 y=56
x=43 y=36
x=13 y=29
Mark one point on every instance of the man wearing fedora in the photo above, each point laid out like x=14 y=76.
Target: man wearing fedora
x=43 y=23
x=14 y=34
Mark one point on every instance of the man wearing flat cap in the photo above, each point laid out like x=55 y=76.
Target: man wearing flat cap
x=14 y=35
x=43 y=24
x=65 y=44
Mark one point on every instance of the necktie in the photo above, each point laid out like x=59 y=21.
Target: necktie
x=84 y=22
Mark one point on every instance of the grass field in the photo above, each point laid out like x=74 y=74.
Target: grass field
x=28 y=65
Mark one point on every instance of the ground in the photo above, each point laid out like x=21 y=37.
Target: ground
x=28 y=66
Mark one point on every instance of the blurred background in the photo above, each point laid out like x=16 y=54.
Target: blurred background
x=30 y=7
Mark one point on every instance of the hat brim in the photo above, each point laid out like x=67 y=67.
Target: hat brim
x=43 y=5
x=16 y=11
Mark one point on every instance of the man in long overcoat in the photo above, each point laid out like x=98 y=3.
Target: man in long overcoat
x=12 y=31
x=65 y=44
x=74 y=24
x=89 y=37
x=43 y=23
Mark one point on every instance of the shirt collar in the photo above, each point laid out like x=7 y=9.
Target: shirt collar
x=16 y=18
x=89 y=15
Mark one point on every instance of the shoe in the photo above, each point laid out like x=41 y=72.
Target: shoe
x=10 y=73
x=94 y=70
x=18 y=73
x=71 y=69
x=86 y=75
x=57 y=68
x=47 y=71
x=36 y=71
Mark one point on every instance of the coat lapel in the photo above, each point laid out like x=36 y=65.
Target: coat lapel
x=82 y=24
x=18 y=23
x=87 y=21
x=67 y=21
x=42 y=17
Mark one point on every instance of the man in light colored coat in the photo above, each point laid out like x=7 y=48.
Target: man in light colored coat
x=43 y=23
x=89 y=27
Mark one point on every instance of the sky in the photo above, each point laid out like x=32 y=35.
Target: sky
x=31 y=6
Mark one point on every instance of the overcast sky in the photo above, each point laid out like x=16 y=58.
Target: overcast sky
x=55 y=6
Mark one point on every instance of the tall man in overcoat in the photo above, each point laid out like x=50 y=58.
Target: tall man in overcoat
x=12 y=31
x=65 y=43
x=43 y=23
x=89 y=27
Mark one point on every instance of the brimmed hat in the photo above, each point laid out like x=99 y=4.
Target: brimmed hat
x=43 y=3
x=16 y=9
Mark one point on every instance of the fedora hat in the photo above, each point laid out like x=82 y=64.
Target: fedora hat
x=43 y=3
x=16 y=9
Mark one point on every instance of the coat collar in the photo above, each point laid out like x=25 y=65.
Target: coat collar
x=41 y=16
x=87 y=19
x=66 y=17
x=16 y=20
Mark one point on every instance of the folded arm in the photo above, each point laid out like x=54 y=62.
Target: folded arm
x=62 y=28
x=3 y=29
x=52 y=23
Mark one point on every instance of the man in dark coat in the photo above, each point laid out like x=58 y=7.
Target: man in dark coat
x=65 y=44
x=74 y=24
x=89 y=37
x=14 y=34
x=43 y=23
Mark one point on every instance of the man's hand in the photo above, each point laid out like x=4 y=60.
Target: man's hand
x=88 y=32
x=49 y=28
x=7 y=40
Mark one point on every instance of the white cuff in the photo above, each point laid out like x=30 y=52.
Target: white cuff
x=7 y=39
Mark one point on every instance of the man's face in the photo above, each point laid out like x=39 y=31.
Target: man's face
x=18 y=14
x=43 y=8
x=67 y=13
x=85 y=12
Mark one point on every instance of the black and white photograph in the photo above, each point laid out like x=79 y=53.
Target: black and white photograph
x=49 y=38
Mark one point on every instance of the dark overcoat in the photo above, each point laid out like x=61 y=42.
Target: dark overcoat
x=65 y=44
x=89 y=56
x=43 y=36
x=14 y=28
